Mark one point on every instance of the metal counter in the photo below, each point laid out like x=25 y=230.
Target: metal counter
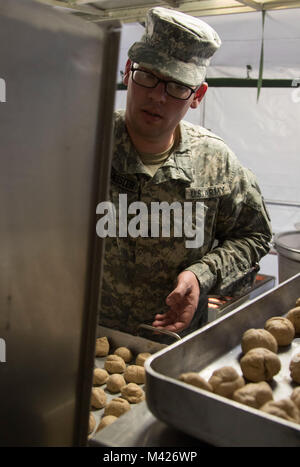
x=139 y=428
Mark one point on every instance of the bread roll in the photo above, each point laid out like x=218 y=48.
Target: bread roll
x=295 y=396
x=295 y=368
x=115 y=382
x=260 y=365
x=114 y=364
x=102 y=347
x=141 y=358
x=117 y=407
x=225 y=381
x=253 y=338
x=254 y=394
x=284 y=408
x=282 y=329
x=106 y=421
x=195 y=380
x=133 y=393
x=100 y=376
x=92 y=423
x=294 y=316
x=135 y=374
x=124 y=353
x=98 y=398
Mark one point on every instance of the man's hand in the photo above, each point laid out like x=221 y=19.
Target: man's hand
x=182 y=303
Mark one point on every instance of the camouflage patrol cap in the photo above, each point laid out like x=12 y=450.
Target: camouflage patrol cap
x=176 y=45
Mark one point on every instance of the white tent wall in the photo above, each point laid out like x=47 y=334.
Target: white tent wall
x=241 y=36
x=264 y=135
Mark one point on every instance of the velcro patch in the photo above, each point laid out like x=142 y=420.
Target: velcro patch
x=122 y=181
x=207 y=192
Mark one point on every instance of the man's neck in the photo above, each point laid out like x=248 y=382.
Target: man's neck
x=149 y=146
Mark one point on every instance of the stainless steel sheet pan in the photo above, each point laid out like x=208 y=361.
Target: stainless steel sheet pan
x=207 y=416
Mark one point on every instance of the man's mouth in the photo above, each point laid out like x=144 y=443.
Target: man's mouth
x=152 y=113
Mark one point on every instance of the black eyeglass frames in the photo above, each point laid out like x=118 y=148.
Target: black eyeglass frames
x=174 y=89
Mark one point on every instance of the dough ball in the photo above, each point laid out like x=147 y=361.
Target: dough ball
x=254 y=394
x=98 y=398
x=133 y=393
x=92 y=423
x=281 y=328
x=295 y=396
x=294 y=316
x=253 y=338
x=295 y=368
x=124 y=353
x=135 y=374
x=105 y=421
x=297 y=302
x=100 y=376
x=195 y=380
x=102 y=347
x=260 y=365
x=115 y=382
x=141 y=358
x=117 y=407
x=284 y=408
x=225 y=381
x=114 y=364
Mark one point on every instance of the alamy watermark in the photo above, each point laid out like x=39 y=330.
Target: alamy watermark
x=2 y=90
x=155 y=222
x=2 y=350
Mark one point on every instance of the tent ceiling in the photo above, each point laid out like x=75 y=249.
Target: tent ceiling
x=135 y=10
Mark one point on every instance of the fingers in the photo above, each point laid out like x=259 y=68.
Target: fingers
x=174 y=327
x=171 y=321
x=165 y=319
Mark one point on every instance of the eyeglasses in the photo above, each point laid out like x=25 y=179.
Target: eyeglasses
x=172 y=88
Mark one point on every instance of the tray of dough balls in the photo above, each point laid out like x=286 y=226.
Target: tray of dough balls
x=236 y=381
x=118 y=376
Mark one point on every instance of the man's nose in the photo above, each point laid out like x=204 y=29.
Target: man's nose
x=158 y=93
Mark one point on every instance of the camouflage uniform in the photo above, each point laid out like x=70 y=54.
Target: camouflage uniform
x=140 y=272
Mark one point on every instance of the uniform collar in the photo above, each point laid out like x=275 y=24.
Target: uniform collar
x=126 y=160
x=178 y=166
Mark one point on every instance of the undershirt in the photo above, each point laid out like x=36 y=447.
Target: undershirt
x=153 y=161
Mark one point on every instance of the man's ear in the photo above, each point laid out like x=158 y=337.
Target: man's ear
x=199 y=94
x=127 y=72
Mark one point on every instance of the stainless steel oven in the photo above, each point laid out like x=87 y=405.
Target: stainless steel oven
x=59 y=75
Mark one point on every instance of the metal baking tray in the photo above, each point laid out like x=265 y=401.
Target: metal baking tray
x=117 y=339
x=219 y=305
x=207 y=416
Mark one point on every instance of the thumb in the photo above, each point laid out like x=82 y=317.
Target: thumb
x=177 y=294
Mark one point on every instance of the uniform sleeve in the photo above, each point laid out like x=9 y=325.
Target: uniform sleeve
x=243 y=233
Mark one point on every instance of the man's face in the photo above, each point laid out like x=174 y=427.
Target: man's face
x=150 y=112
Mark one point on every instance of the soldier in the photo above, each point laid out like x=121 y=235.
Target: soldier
x=188 y=218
